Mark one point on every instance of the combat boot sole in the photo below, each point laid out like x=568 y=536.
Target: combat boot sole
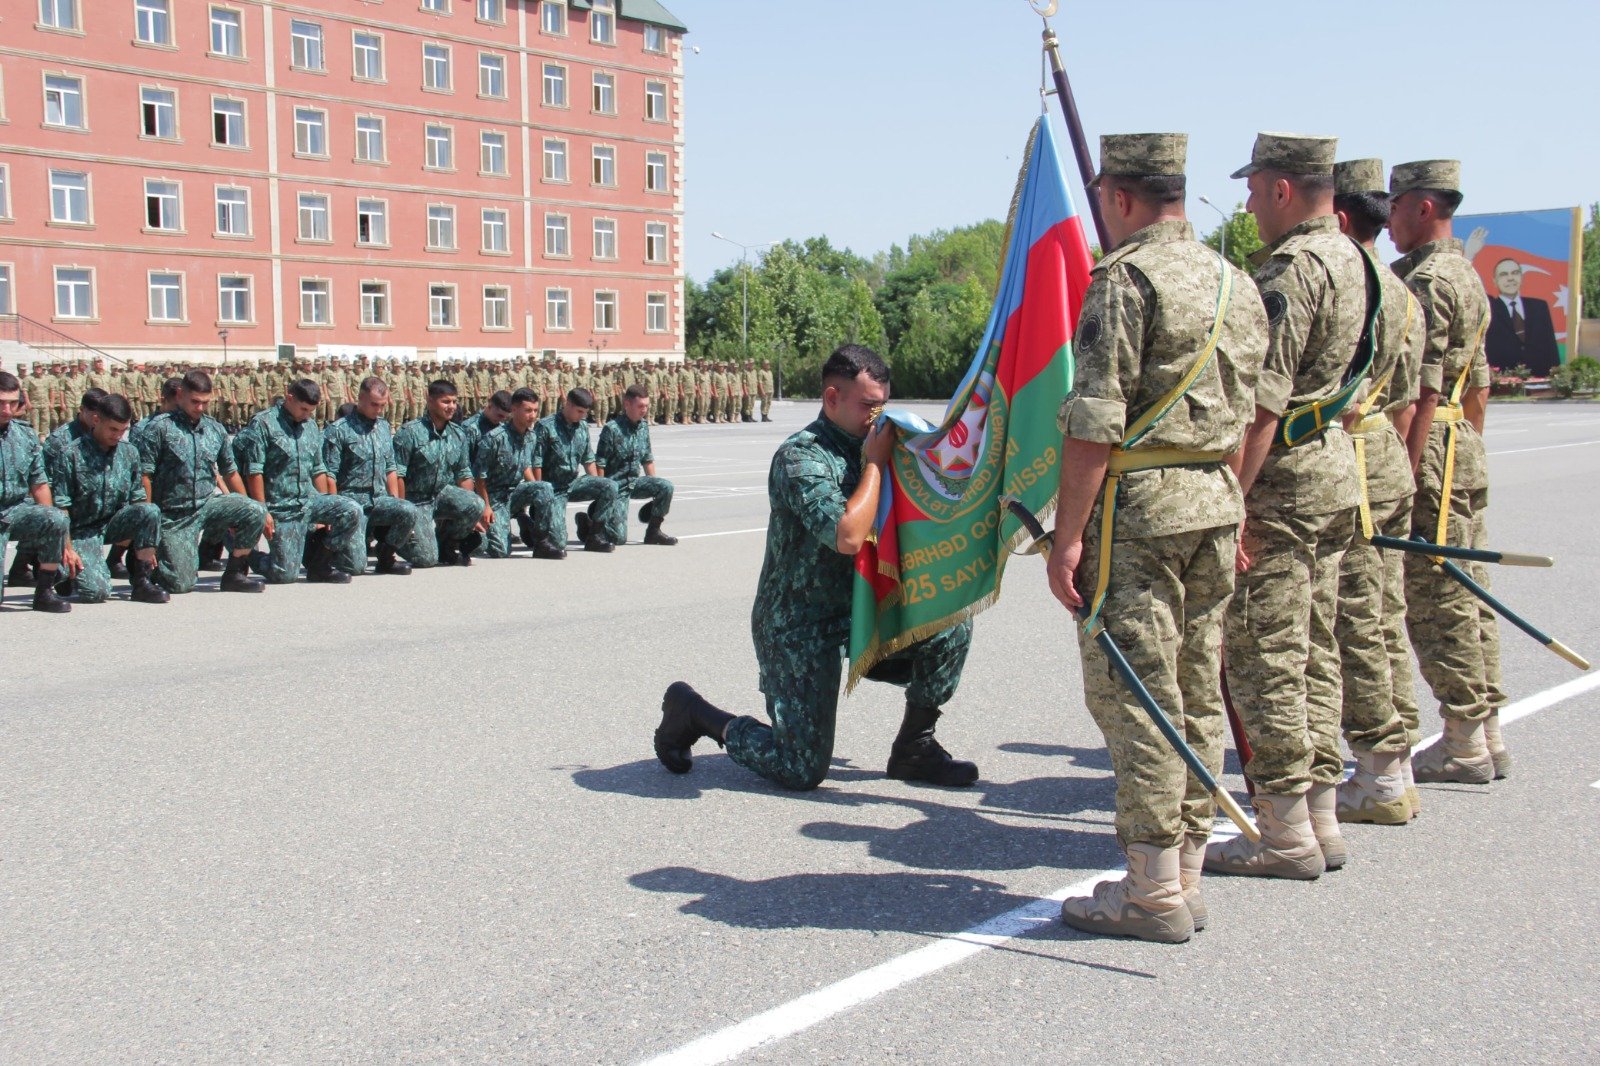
x=1477 y=770
x=1372 y=811
x=1133 y=921
x=1305 y=863
x=1502 y=764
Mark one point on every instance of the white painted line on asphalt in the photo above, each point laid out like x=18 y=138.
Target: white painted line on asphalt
x=723 y=533
x=1545 y=448
x=812 y=1008
x=1595 y=785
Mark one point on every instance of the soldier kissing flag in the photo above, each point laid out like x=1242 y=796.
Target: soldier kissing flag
x=941 y=535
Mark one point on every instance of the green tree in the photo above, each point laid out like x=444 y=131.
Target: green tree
x=1591 y=265
x=1243 y=237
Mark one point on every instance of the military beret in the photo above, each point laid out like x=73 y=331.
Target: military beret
x=1442 y=175
x=1355 y=176
x=1143 y=154
x=1290 y=153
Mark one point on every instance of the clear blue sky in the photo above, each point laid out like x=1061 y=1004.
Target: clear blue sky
x=870 y=120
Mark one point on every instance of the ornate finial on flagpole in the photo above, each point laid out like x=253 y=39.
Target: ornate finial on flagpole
x=1045 y=8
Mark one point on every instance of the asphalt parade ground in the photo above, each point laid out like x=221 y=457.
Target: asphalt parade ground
x=418 y=819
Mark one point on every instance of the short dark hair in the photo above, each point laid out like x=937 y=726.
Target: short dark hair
x=440 y=388
x=636 y=392
x=345 y=411
x=93 y=399
x=850 y=361
x=1309 y=185
x=1446 y=200
x=1368 y=213
x=116 y=407
x=581 y=397
x=525 y=396
x=1157 y=190
x=374 y=386
x=306 y=391
x=196 y=381
x=170 y=387
x=9 y=382
x=500 y=401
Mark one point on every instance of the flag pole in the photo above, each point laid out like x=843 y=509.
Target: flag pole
x=1069 y=111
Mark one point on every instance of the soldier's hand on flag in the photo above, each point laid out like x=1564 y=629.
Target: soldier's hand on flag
x=1062 y=569
x=880 y=443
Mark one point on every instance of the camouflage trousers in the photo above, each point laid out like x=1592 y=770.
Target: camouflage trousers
x=1283 y=665
x=137 y=524
x=178 y=554
x=1379 y=701
x=551 y=514
x=388 y=518
x=1165 y=605
x=766 y=408
x=1457 y=638
x=40 y=533
x=446 y=519
x=801 y=683
x=531 y=496
x=658 y=490
x=280 y=565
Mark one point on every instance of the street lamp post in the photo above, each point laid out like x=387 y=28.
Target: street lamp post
x=224 y=335
x=744 y=270
x=1222 y=234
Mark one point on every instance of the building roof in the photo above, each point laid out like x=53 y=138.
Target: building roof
x=641 y=11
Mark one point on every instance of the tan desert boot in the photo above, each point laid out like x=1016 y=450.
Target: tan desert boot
x=1496 y=745
x=1460 y=756
x=1376 y=793
x=1288 y=846
x=1413 y=794
x=1322 y=806
x=1147 y=903
x=1191 y=858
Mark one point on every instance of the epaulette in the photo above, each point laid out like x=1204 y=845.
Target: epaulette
x=1116 y=256
x=1291 y=247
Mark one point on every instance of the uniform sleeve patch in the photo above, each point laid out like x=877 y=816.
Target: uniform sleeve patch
x=1088 y=332
x=1276 y=304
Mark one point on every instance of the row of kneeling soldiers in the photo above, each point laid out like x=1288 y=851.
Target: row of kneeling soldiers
x=158 y=499
x=688 y=391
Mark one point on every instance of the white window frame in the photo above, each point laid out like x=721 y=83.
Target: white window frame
x=365 y=209
x=487 y=154
x=89 y=285
x=88 y=198
x=149 y=108
x=553 y=230
x=601 y=302
x=308 y=46
x=231 y=208
x=178 y=288
x=603 y=93
x=8 y=291
x=653 y=112
x=51 y=16
x=228 y=297
x=604 y=232
x=435 y=7
x=433 y=135
x=377 y=128
x=500 y=294
x=243 y=118
x=488 y=226
x=374 y=302
x=553 y=16
x=440 y=216
x=603 y=158
x=314 y=121
x=153 y=17
x=491 y=67
x=657 y=176
x=656 y=304
x=5 y=191
x=212 y=26
x=559 y=156
x=487 y=12
x=444 y=305
x=64 y=92
x=309 y=208
x=603 y=22
x=166 y=189
x=657 y=234
x=558 y=310
x=660 y=33
x=308 y=288
x=361 y=69
x=553 y=85
x=431 y=65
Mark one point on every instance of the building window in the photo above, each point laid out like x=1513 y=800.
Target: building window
x=655 y=101
x=74 y=292
x=69 y=197
x=439 y=148
x=491 y=76
x=5 y=191
x=63 y=14
x=557 y=236
x=63 y=102
x=655 y=171
x=233 y=299
x=603 y=22
x=369 y=139
x=7 y=301
x=492 y=153
x=605 y=238
x=227 y=122
x=313 y=214
x=655 y=39
x=491 y=10
x=555 y=85
x=233 y=211
x=441 y=228
x=605 y=94
x=496 y=307
x=655 y=242
x=375 y=303
x=557 y=306
x=552 y=16
x=310 y=132
x=316 y=302
x=496 y=231
x=227 y=33
x=166 y=297
x=605 y=165
x=158 y=113
x=305 y=45
x=655 y=312
x=161 y=205
x=605 y=311
x=436 y=67
x=368 y=56
x=152 y=21
x=441 y=306
x=438 y=7
x=372 y=222
x=555 y=159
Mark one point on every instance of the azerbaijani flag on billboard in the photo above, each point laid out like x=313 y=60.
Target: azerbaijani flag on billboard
x=942 y=536
x=1533 y=261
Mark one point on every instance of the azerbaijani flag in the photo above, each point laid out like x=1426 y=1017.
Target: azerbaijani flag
x=942 y=536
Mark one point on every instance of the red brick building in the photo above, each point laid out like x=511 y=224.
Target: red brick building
x=390 y=176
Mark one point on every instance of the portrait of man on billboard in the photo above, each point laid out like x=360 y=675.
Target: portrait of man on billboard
x=1530 y=262
x=1521 y=332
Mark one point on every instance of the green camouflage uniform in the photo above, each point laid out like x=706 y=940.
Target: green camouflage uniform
x=433 y=463
x=103 y=494
x=1283 y=665
x=623 y=453
x=40 y=532
x=182 y=459
x=502 y=461
x=1458 y=648
x=562 y=455
x=801 y=618
x=1150 y=306
x=288 y=457
x=359 y=455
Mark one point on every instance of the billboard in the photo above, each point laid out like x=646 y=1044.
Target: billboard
x=1531 y=263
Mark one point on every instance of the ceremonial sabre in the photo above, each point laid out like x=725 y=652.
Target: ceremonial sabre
x=1124 y=669
x=1419 y=546
x=1501 y=609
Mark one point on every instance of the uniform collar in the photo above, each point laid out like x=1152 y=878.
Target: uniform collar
x=1164 y=232
x=1319 y=224
x=1442 y=246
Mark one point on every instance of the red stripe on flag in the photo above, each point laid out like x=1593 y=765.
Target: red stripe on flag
x=1057 y=277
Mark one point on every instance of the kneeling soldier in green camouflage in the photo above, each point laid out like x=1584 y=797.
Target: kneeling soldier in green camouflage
x=359 y=452
x=505 y=469
x=624 y=455
x=824 y=499
x=434 y=460
x=26 y=512
x=565 y=459
x=280 y=452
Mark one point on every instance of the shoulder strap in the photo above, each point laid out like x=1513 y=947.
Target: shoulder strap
x=1306 y=421
x=1147 y=421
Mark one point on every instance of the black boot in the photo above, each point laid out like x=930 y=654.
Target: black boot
x=236 y=577
x=143 y=589
x=388 y=564
x=653 y=535
x=545 y=548
x=597 y=542
x=685 y=718
x=583 y=524
x=44 y=592
x=917 y=756
x=211 y=557
x=319 y=562
x=115 y=561
x=527 y=530
x=21 y=570
x=467 y=545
